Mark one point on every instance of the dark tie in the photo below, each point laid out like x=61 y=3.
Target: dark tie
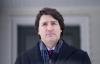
x=50 y=53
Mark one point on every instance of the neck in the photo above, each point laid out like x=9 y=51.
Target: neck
x=50 y=44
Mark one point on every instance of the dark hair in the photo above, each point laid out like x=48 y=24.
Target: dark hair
x=54 y=13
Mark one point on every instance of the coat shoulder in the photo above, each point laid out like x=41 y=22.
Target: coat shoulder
x=76 y=55
x=29 y=57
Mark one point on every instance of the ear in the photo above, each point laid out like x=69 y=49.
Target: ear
x=38 y=35
x=60 y=30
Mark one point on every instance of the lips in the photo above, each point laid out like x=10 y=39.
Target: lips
x=50 y=34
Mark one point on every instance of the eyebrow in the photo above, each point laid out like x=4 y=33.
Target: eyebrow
x=54 y=21
x=50 y=21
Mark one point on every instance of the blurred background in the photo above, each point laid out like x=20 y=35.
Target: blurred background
x=82 y=23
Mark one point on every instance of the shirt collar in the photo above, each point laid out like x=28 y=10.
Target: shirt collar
x=51 y=48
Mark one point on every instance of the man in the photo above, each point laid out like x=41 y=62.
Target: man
x=51 y=48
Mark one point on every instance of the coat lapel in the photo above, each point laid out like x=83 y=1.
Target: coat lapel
x=64 y=53
x=35 y=56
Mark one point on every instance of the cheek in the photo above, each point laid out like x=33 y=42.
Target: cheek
x=58 y=30
x=41 y=32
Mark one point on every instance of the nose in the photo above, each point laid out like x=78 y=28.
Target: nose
x=50 y=27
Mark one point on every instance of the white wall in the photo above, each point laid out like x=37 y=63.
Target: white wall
x=95 y=38
x=5 y=40
x=46 y=3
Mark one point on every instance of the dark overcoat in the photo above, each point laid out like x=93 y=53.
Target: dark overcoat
x=67 y=55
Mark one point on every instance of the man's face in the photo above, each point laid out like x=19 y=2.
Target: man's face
x=49 y=29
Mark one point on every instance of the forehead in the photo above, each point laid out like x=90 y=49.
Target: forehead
x=47 y=18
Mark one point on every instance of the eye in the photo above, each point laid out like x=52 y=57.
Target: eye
x=54 y=23
x=44 y=24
